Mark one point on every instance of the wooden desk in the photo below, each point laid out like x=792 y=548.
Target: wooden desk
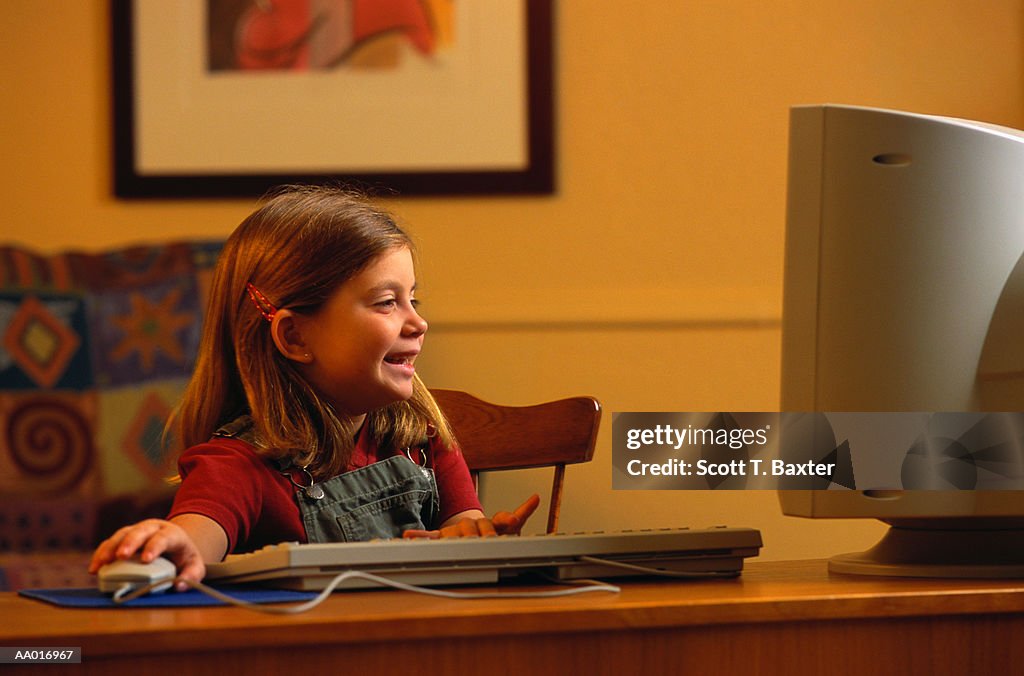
x=780 y=617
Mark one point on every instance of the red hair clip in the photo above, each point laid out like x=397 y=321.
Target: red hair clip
x=261 y=302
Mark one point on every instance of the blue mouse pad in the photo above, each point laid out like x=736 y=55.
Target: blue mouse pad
x=93 y=598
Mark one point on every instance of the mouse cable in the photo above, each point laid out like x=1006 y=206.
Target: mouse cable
x=648 y=570
x=353 y=574
x=126 y=591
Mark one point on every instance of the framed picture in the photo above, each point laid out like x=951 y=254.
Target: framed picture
x=228 y=98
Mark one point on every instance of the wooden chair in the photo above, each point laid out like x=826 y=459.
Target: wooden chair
x=495 y=437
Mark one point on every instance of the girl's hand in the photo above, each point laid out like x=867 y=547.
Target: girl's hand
x=502 y=523
x=149 y=539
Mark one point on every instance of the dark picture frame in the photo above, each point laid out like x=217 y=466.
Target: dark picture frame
x=536 y=177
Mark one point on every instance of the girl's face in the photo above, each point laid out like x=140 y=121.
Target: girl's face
x=365 y=339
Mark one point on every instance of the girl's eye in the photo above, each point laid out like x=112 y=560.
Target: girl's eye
x=392 y=303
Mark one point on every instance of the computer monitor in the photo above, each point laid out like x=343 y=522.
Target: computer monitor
x=904 y=291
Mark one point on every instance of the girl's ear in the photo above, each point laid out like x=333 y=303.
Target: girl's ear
x=286 y=330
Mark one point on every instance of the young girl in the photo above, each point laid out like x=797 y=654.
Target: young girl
x=305 y=419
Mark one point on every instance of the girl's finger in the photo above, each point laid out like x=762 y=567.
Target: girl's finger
x=525 y=510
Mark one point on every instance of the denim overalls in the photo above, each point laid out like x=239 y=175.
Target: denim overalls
x=381 y=500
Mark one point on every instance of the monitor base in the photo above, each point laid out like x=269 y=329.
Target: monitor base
x=952 y=553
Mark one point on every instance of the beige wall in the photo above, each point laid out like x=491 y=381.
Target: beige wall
x=652 y=279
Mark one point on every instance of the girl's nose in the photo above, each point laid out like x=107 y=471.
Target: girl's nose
x=416 y=325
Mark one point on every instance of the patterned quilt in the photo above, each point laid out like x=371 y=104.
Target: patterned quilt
x=95 y=351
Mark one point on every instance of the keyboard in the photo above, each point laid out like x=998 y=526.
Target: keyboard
x=486 y=560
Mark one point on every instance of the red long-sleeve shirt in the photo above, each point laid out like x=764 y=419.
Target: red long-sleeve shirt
x=225 y=480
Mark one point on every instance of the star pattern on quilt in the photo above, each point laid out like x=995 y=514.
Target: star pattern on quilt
x=152 y=327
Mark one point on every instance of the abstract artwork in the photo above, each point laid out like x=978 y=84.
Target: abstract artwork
x=216 y=98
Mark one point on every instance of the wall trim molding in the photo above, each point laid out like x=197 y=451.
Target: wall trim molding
x=621 y=309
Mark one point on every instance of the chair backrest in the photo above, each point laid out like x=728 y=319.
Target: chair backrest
x=496 y=437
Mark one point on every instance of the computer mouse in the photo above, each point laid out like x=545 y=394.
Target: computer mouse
x=115 y=575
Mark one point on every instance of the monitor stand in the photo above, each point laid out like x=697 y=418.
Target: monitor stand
x=953 y=548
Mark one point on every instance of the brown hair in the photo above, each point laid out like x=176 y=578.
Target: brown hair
x=297 y=248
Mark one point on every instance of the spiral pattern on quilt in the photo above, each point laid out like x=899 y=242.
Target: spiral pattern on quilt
x=50 y=444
